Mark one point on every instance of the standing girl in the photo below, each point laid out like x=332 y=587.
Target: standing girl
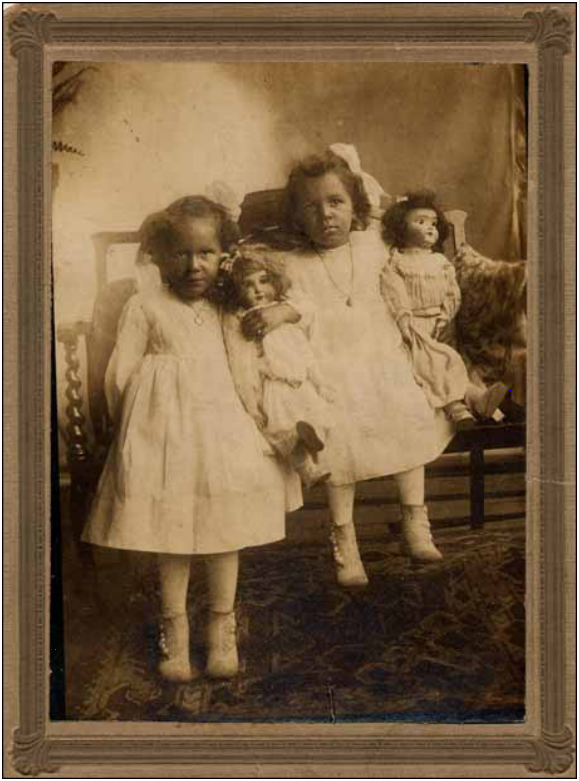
x=188 y=473
x=384 y=424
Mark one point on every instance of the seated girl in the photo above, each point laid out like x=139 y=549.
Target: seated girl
x=277 y=375
x=420 y=285
x=384 y=424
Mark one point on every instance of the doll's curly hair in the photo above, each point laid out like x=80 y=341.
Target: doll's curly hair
x=250 y=259
x=394 y=228
x=314 y=167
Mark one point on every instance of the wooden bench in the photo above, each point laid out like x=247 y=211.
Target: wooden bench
x=87 y=430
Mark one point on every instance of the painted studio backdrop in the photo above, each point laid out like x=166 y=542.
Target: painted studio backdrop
x=131 y=137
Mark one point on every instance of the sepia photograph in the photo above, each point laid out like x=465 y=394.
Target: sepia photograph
x=289 y=390
x=290 y=360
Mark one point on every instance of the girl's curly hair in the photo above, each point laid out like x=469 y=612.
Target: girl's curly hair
x=314 y=167
x=161 y=236
x=394 y=228
x=160 y=230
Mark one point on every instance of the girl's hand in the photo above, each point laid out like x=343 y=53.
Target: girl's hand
x=405 y=330
x=259 y=322
x=439 y=327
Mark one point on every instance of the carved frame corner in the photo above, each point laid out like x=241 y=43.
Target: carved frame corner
x=554 y=752
x=30 y=29
x=30 y=754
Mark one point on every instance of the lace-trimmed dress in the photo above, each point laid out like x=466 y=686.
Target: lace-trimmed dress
x=423 y=285
x=278 y=379
x=383 y=421
x=189 y=471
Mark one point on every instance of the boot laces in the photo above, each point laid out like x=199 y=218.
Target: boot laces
x=337 y=551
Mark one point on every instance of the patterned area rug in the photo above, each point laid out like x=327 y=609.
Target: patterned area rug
x=438 y=643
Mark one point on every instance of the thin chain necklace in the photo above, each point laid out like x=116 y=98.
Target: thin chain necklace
x=347 y=296
x=198 y=308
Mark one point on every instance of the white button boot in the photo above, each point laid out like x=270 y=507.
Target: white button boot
x=222 y=658
x=416 y=535
x=349 y=568
x=174 y=644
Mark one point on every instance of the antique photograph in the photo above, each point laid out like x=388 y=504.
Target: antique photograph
x=290 y=360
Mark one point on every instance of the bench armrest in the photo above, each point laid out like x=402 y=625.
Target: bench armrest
x=76 y=435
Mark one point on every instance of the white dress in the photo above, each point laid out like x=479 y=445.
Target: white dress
x=384 y=424
x=423 y=285
x=278 y=380
x=189 y=471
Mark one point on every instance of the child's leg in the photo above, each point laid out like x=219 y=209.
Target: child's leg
x=222 y=574
x=416 y=535
x=174 y=582
x=349 y=567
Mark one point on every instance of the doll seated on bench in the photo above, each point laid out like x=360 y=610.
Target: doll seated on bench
x=420 y=286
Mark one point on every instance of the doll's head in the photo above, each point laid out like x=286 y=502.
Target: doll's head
x=324 y=200
x=256 y=279
x=187 y=242
x=416 y=221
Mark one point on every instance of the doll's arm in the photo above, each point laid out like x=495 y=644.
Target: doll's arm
x=451 y=303
x=395 y=295
x=394 y=292
x=130 y=347
x=316 y=377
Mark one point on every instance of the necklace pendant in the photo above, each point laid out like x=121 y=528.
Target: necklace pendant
x=349 y=301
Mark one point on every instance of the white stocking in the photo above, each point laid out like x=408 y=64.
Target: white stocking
x=341 y=501
x=174 y=580
x=222 y=572
x=411 y=486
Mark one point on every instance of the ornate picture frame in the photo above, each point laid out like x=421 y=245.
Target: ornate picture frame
x=539 y=35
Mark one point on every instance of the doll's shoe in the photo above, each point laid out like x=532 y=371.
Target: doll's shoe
x=310 y=473
x=513 y=412
x=416 y=535
x=349 y=568
x=307 y=434
x=174 y=644
x=484 y=403
x=222 y=658
x=458 y=413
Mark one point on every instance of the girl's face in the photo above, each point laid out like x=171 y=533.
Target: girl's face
x=257 y=289
x=327 y=211
x=192 y=268
x=421 y=228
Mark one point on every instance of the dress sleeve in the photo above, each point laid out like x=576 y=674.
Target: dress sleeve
x=130 y=347
x=451 y=303
x=394 y=291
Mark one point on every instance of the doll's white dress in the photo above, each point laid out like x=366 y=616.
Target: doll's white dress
x=189 y=471
x=383 y=422
x=423 y=285
x=277 y=379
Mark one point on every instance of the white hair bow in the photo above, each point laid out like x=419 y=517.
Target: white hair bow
x=349 y=154
x=221 y=193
